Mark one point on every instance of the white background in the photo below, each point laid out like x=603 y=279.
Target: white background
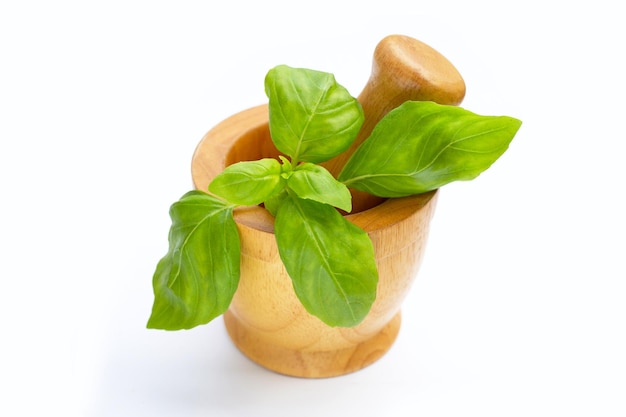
x=519 y=308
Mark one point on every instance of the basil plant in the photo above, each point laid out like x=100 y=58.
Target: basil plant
x=415 y=148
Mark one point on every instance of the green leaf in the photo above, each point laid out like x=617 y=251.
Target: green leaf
x=330 y=261
x=312 y=118
x=273 y=203
x=197 y=278
x=314 y=182
x=248 y=183
x=421 y=146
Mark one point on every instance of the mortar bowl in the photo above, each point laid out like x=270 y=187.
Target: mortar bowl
x=266 y=321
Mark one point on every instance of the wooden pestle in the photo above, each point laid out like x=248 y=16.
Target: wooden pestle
x=403 y=69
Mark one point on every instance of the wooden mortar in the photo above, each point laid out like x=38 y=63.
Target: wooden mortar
x=266 y=321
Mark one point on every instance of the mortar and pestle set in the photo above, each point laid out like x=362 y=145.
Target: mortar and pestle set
x=266 y=321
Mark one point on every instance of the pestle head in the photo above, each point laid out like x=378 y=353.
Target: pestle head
x=405 y=69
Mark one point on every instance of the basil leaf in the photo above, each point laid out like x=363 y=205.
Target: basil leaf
x=312 y=118
x=330 y=261
x=273 y=203
x=248 y=183
x=316 y=183
x=197 y=278
x=421 y=146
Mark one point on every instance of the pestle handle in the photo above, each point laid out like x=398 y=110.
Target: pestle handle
x=403 y=69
